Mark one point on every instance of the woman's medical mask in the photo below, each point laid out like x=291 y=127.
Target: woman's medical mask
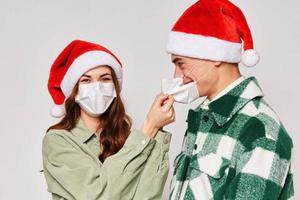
x=95 y=98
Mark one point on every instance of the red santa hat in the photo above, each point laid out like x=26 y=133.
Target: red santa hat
x=77 y=58
x=214 y=30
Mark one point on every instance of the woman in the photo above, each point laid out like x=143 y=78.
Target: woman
x=92 y=152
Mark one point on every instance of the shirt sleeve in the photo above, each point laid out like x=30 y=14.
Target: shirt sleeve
x=264 y=172
x=71 y=174
x=155 y=173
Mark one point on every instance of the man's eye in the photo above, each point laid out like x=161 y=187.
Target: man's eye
x=179 y=64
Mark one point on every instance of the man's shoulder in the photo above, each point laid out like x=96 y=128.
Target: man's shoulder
x=263 y=124
x=258 y=111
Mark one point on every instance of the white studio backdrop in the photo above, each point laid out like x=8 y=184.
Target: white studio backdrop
x=33 y=32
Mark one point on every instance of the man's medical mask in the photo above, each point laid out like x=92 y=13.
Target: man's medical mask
x=182 y=93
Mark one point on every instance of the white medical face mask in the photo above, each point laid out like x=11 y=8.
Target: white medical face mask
x=182 y=93
x=95 y=98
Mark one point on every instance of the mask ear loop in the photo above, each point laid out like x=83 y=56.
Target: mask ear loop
x=203 y=75
x=183 y=76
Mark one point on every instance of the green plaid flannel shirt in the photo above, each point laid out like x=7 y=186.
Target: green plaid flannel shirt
x=235 y=147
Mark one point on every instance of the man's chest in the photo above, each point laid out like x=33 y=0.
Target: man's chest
x=204 y=136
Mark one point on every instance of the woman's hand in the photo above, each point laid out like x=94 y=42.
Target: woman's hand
x=160 y=114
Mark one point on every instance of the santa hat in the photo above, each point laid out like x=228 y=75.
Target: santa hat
x=77 y=58
x=215 y=30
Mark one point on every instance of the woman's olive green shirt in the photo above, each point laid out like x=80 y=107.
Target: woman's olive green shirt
x=73 y=171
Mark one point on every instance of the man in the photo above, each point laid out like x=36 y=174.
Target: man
x=235 y=146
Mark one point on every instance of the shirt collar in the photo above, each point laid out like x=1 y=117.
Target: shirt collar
x=233 y=98
x=82 y=132
x=228 y=88
x=206 y=102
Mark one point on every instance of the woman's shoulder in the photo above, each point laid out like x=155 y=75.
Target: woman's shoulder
x=57 y=133
x=57 y=141
x=56 y=136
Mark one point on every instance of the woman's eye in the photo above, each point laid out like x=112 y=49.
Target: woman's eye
x=85 y=81
x=106 y=79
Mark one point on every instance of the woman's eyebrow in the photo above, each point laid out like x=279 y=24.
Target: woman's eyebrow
x=105 y=75
x=88 y=76
x=102 y=75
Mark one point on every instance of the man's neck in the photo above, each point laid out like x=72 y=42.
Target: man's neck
x=224 y=81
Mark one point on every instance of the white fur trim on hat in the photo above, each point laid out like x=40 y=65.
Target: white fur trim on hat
x=57 y=111
x=250 y=58
x=202 y=47
x=84 y=63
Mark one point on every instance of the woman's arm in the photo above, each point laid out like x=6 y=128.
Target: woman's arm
x=70 y=174
x=74 y=175
x=155 y=173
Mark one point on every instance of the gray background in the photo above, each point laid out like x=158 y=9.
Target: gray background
x=33 y=32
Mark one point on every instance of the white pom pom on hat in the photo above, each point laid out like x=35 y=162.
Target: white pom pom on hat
x=57 y=111
x=213 y=30
x=250 y=58
x=77 y=58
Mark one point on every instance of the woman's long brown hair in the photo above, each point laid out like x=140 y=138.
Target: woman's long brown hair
x=115 y=123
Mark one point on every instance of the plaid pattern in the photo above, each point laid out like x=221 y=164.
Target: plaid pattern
x=235 y=147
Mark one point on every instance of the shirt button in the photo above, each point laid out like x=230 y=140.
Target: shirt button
x=205 y=118
x=195 y=146
x=143 y=141
x=166 y=140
